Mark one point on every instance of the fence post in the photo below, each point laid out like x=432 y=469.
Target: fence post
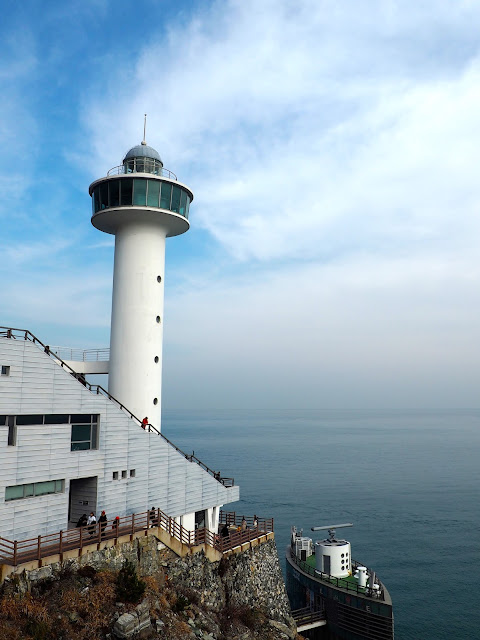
x=60 y=538
x=39 y=548
x=15 y=553
x=81 y=539
x=133 y=524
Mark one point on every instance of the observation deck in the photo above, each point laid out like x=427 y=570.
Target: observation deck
x=139 y=190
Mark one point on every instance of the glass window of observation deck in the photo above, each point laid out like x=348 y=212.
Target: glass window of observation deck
x=176 y=194
x=166 y=195
x=183 y=202
x=127 y=192
x=103 y=195
x=114 y=193
x=153 y=193
x=140 y=192
x=96 y=199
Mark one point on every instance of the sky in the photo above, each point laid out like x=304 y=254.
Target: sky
x=332 y=148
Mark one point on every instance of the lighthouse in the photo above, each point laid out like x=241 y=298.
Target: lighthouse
x=141 y=203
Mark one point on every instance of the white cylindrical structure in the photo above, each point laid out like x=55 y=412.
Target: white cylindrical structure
x=141 y=204
x=333 y=557
x=137 y=319
x=361 y=576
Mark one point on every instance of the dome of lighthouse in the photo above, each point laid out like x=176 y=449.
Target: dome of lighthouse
x=143 y=159
x=142 y=151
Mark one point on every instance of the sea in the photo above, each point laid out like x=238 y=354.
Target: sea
x=407 y=480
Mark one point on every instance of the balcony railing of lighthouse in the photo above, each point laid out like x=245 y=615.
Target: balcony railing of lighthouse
x=143 y=165
x=24 y=334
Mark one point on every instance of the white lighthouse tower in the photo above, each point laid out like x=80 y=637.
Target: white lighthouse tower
x=142 y=204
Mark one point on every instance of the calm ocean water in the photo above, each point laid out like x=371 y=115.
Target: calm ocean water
x=409 y=481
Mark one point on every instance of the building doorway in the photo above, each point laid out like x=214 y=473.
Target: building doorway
x=82 y=499
x=199 y=519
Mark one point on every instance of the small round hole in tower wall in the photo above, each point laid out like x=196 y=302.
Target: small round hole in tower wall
x=158 y=318
x=155 y=401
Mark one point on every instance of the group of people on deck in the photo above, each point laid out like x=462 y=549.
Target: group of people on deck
x=225 y=530
x=91 y=523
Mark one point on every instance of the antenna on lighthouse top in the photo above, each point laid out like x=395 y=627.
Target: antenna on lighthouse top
x=144 y=142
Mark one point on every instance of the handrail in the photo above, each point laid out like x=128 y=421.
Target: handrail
x=81 y=355
x=9 y=332
x=341 y=583
x=232 y=518
x=158 y=171
x=14 y=552
x=307 y=615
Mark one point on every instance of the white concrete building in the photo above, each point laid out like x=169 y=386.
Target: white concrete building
x=68 y=448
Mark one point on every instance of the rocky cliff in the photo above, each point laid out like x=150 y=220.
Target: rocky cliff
x=241 y=597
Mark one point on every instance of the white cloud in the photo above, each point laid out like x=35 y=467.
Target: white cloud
x=332 y=150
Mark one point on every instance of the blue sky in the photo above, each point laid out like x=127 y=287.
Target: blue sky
x=332 y=148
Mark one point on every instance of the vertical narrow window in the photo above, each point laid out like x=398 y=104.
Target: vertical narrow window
x=176 y=193
x=5 y=370
x=96 y=199
x=187 y=209
x=183 y=202
x=166 y=195
x=153 y=193
x=104 y=195
x=126 y=192
x=114 y=192
x=12 y=431
x=140 y=192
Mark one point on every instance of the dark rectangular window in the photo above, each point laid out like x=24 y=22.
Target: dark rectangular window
x=3 y=421
x=5 y=370
x=126 y=192
x=166 y=195
x=176 y=193
x=12 y=431
x=84 y=432
x=12 y=435
x=96 y=199
x=104 y=195
x=29 y=420
x=57 y=419
x=80 y=417
x=114 y=193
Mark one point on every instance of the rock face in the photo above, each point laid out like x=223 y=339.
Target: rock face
x=133 y=624
x=242 y=596
x=252 y=578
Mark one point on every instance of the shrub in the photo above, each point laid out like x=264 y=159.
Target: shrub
x=180 y=604
x=130 y=588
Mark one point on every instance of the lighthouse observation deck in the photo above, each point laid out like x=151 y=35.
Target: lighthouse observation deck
x=143 y=190
x=141 y=183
